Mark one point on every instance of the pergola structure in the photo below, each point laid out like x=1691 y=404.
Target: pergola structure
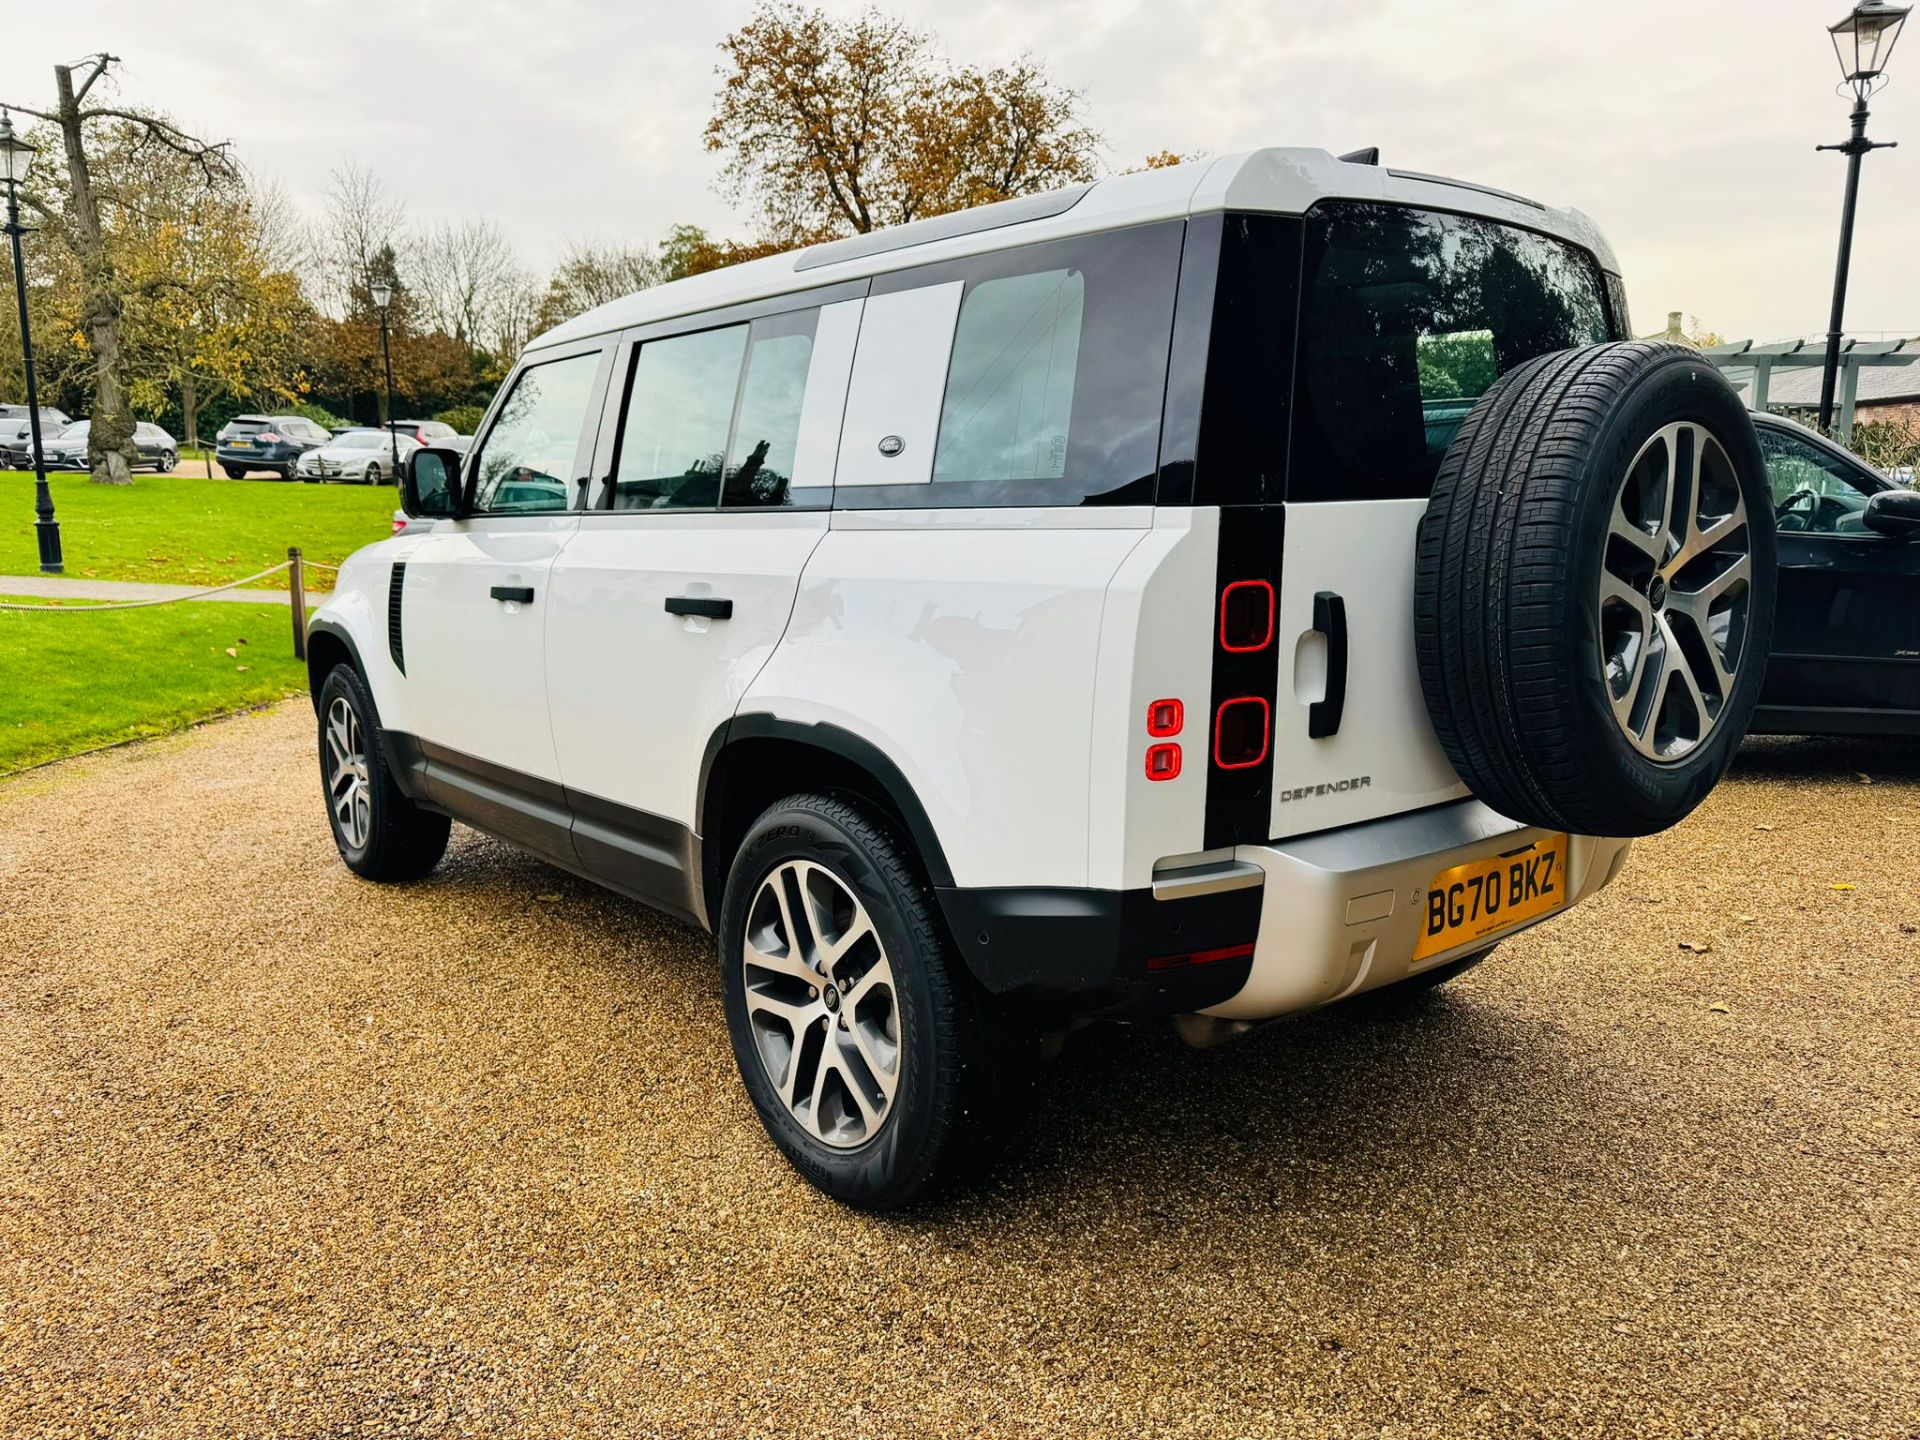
x=1760 y=361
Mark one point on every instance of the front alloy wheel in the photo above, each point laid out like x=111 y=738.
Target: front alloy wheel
x=348 y=793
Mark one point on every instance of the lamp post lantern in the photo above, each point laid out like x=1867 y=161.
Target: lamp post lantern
x=16 y=159
x=381 y=290
x=1863 y=42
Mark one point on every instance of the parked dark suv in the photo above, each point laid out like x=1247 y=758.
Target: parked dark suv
x=266 y=442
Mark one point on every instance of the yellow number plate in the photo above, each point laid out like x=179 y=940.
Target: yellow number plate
x=1484 y=897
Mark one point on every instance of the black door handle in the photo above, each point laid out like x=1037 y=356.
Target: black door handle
x=710 y=606
x=1330 y=619
x=521 y=593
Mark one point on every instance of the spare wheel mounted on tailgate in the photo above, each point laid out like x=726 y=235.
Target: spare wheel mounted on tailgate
x=1594 y=588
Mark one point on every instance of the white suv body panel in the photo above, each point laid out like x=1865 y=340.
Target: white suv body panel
x=637 y=692
x=1385 y=759
x=937 y=642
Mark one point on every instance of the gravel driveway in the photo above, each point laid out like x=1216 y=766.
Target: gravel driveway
x=283 y=1153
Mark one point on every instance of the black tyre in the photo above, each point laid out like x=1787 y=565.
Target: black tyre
x=381 y=834
x=1593 y=602
x=876 y=1064
x=372 y=477
x=168 y=463
x=235 y=472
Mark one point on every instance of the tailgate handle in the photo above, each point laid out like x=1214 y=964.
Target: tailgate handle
x=1330 y=619
x=710 y=606
x=519 y=594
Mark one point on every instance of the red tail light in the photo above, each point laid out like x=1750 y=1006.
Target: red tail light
x=1163 y=762
x=267 y=435
x=1246 y=616
x=1164 y=718
x=1240 y=732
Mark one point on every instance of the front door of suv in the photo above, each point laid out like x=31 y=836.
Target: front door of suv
x=476 y=606
x=1846 y=629
x=682 y=578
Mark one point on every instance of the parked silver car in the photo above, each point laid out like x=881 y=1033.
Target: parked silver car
x=159 y=451
x=364 y=457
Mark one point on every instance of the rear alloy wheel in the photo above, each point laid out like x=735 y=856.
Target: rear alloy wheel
x=876 y=1063
x=820 y=1000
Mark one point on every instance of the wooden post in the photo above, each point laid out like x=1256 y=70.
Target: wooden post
x=297 y=577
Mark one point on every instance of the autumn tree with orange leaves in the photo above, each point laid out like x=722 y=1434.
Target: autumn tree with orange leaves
x=834 y=126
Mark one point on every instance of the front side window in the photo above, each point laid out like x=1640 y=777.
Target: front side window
x=1813 y=493
x=526 y=462
x=1406 y=317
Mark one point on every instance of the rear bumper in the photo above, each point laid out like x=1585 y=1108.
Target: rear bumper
x=1270 y=931
x=1341 y=911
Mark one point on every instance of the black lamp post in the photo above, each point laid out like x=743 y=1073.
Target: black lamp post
x=382 y=291
x=1863 y=41
x=16 y=159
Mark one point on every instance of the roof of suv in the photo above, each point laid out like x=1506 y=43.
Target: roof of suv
x=1278 y=181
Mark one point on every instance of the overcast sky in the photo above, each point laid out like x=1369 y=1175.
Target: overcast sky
x=1685 y=127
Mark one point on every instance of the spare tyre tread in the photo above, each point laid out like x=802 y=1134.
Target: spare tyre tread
x=1492 y=601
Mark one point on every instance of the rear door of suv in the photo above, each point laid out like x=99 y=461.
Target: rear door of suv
x=719 y=438
x=1405 y=317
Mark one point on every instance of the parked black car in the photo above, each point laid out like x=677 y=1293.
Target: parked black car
x=68 y=451
x=16 y=436
x=273 y=443
x=1846 y=634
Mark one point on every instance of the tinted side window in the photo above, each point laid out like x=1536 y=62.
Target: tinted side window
x=1009 y=400
x=1406 y=317
x=673 y=439
x=766 y=429
x=526 y=462
x=1057 y=374
x=1813 y=493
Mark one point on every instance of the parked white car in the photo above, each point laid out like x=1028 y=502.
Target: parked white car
x=364 y=457
x=1141 y=600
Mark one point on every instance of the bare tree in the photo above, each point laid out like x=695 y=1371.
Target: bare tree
x=462 y=274
x=591 y=274
x=77 y=225
x=362 y=223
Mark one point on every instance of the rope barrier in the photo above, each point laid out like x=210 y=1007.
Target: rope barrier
x=169 y=600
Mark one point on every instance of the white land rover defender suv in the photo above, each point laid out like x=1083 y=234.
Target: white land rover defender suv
x=1208 y=593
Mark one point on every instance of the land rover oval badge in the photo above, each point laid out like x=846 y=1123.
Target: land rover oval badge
x=891 y=445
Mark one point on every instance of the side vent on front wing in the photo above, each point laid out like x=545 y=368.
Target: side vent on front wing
x=396 y=643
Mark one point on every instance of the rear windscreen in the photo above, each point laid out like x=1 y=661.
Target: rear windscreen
x=1406 y=317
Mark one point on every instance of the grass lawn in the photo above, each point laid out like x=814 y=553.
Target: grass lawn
x=75 y=682
x=189 y=531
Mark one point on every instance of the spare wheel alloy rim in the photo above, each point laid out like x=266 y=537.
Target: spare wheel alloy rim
x=1675 y=592
x=821 y=1004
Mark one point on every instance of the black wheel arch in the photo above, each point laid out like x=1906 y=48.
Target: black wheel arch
x=329 y=644
x=753 y=760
